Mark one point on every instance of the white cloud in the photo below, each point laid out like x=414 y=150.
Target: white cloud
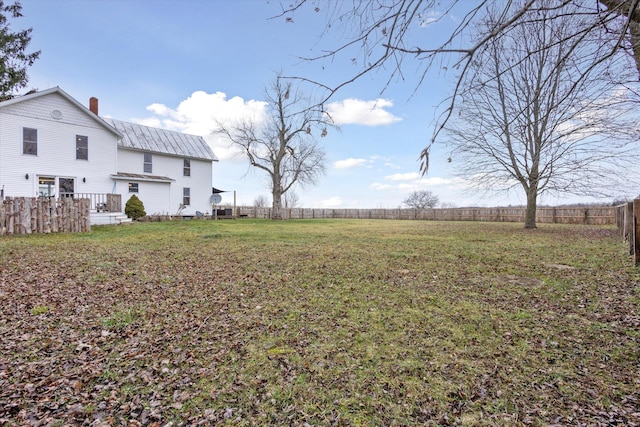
x=405 y=183
x=159 y=109
x=362 y=162
x=392 y=165
x=153 y=122
x=349 y=163
x=331 y=202
x=357 y=111
x=200 y=114
x=429 y=17
x=415 y=181
x=430 y=183
x=379 y=186
x=403 y=176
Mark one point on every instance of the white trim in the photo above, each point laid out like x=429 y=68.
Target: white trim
x=141 y=179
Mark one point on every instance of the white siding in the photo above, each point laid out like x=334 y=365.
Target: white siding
x=156 y=202
x=56 y=147
x=131 y=161
x=200 y=184
x=155 y=196
x=41 y=108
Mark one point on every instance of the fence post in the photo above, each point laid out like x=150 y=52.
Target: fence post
x=629 y=235
x=3 y=218
x=636 y=234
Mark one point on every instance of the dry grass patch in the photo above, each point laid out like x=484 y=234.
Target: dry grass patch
x=320 y=323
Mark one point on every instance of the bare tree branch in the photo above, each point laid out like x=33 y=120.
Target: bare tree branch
x=284 y=147
x=535 y=114
x=382 y=30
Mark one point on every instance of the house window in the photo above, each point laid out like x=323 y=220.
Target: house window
x=46 y=186
x=186 y=196
x=66 y=187
x=82 y=147
x=30 y=141
x=148 y=167
x=133 y=187
x=186 y=168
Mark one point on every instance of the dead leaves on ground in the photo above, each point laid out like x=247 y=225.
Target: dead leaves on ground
x=376 y=323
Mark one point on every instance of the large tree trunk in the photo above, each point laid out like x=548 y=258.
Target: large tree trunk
x=634 y=28
x=276 y=207
x=276 y=196
x=532 y=205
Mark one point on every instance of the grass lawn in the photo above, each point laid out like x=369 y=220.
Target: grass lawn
x=318 y=323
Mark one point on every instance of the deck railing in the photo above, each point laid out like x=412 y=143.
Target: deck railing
x=99 y=202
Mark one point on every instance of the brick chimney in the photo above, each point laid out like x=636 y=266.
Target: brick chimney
x=93 y=105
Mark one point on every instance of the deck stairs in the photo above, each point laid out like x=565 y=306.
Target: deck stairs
x=109 y=218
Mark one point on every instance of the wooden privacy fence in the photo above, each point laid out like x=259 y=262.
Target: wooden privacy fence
x=628 y=222
x=605 y=215
x=26 y=215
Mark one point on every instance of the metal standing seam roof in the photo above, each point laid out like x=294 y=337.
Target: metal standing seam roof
x=140 y=137
x=142 y=177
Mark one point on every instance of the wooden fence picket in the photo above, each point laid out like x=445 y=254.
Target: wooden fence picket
x=636 y=232
x=26 y=215
x=606 y=215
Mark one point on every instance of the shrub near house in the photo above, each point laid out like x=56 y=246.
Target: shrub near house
x=134 y=208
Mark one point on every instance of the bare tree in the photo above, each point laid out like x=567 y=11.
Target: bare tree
x=533 y=114
x=422 y=199
x=284 y=147
x=260 y=201
x=380 y=36
x=291 y=199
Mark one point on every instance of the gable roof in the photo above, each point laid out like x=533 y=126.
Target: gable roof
x=145 y=138
x=135 y=136
x=66 y=96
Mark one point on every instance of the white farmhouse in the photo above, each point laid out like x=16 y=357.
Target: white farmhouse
x=169 y=171
x=53 y=146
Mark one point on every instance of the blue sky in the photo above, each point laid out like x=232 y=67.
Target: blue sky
x=184 y=64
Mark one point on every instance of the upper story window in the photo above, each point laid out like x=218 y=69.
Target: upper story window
x=148 y=163
x=30 y=141
x=186 y=168
x=82 y=147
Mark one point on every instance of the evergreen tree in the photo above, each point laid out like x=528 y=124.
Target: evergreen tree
x=134 y=208
x=14 y=59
